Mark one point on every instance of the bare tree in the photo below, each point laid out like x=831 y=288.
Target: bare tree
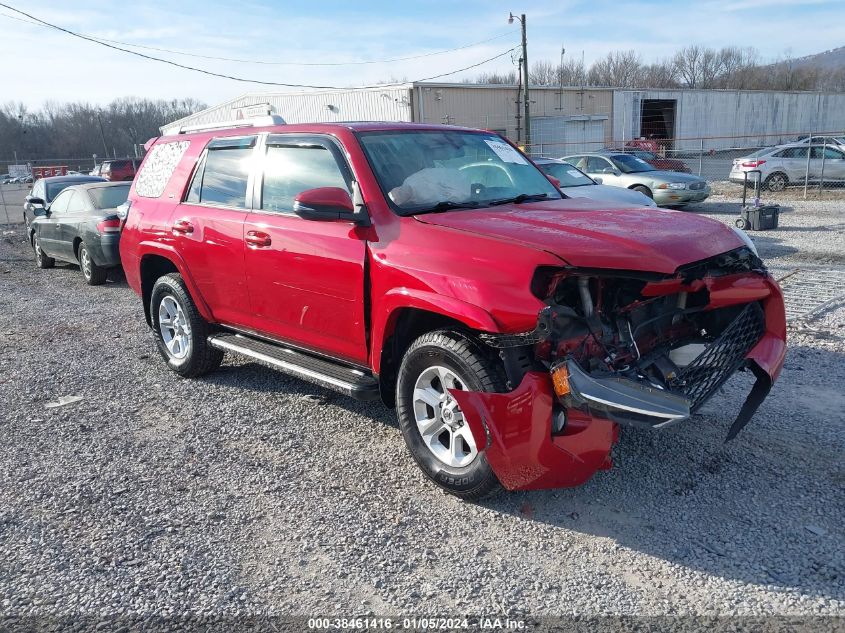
x=618 y=69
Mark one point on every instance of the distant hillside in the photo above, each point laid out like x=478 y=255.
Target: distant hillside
x=828 y=60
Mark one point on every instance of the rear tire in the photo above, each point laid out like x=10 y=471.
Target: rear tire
x=776 y=182
x=94 y=275
x=431 y=423
x=41 y=258
x=181 y=333
x=643 y=190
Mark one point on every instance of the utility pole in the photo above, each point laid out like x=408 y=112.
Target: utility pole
x=103 y=135
x=527 y=114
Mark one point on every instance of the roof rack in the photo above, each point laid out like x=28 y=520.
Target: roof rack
x=260 y=121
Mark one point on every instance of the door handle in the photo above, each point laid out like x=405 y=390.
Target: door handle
x=182 y=226
x=258 y=239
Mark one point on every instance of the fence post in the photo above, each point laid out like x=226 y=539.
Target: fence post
x=807 y=172
x=821 y=176
x=5 y=208
x=700 y=157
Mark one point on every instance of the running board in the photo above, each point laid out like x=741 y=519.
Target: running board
x=342 y=378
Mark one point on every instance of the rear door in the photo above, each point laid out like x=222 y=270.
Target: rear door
x=74 y=215
x=50 y=228
x=208 y=227
x=793 y=162
x=305 y=277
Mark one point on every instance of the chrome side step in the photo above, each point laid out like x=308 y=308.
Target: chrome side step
x=337 y=376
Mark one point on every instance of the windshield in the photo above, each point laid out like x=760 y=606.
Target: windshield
x=421 y=171
x=567 y=174
x=630 y=164
x=109 y=197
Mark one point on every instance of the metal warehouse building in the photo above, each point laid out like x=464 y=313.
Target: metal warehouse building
x=564 y=120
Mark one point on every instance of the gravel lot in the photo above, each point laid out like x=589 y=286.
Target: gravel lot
x=251 y=492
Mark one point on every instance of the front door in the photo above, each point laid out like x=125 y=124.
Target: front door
x=305 y=277
x=208 y=227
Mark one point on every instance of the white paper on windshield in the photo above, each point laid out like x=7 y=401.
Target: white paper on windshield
x=506 y=152
x=574 y=173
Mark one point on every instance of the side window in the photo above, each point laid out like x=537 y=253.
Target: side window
x=158 y=168
x=597 y=165
x=38 y=191
x=61 y=203
x=76 y=203
x=826 y=152
x=223 y=177
x=291 y=169
x=795 y=152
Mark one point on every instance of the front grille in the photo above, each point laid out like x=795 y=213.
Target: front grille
x=696 y=186
x=709 y=371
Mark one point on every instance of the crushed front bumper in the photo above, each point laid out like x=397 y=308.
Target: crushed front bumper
x=515 y=429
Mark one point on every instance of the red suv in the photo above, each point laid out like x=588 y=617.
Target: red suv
x=119 y=169
x=438 y=269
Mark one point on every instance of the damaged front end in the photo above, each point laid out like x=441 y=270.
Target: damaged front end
x=623 y=348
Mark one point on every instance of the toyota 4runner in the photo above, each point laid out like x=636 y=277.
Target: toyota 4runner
x=438 y=269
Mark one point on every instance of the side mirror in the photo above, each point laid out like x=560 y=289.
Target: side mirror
x=554 y=181
x=324 y=203
x=597 y=179
x=36 y=202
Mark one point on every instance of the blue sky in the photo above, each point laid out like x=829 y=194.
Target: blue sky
x=41 y=64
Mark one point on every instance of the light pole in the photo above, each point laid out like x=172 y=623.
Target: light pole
x=527 y=114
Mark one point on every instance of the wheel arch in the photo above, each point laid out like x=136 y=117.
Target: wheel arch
x=156 y=264
x=402 y=323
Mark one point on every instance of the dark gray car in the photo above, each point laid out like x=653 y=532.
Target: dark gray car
x=45 y=190
x=81 y=226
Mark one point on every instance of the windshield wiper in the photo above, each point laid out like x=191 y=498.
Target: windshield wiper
x=523 y=197
x=449 y=205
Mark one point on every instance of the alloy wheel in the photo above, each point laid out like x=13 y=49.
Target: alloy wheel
x=174 y=327
x=85 y=262
x=439 y=418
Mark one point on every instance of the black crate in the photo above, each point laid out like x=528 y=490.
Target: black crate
x=762 y=218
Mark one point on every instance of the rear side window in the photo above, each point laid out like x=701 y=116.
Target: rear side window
x=221 y=179
x=158 y=168
x=108 y=197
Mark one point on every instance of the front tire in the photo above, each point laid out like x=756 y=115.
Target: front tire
x=643 y=190
x=431 y=422
x=181 y=333
x=42 y=260
x=94 y=275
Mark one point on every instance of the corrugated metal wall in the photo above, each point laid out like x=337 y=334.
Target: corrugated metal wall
x=563 y=113
x=732 y=118
x=380 y=104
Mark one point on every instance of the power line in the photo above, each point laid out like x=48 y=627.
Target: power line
x=242 y=79
x=259 y=61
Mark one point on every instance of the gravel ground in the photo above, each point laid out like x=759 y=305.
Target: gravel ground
x=250 y=492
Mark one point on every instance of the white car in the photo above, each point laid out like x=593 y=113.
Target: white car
x=786 y=164
x=576 y=184
x=836 y=141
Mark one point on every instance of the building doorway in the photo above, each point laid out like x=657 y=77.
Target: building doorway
x=658 y=121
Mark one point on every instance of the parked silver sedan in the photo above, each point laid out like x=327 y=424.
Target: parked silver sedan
x=666 y=188
x=576 y=184
x=789 y=164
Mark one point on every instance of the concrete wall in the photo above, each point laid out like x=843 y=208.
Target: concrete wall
x=734 y=118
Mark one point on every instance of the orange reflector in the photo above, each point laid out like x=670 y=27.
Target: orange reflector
x=560 y=380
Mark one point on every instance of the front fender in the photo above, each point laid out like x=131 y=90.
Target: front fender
x=394 y=300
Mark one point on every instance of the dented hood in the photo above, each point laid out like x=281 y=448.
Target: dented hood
x=590 y=235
